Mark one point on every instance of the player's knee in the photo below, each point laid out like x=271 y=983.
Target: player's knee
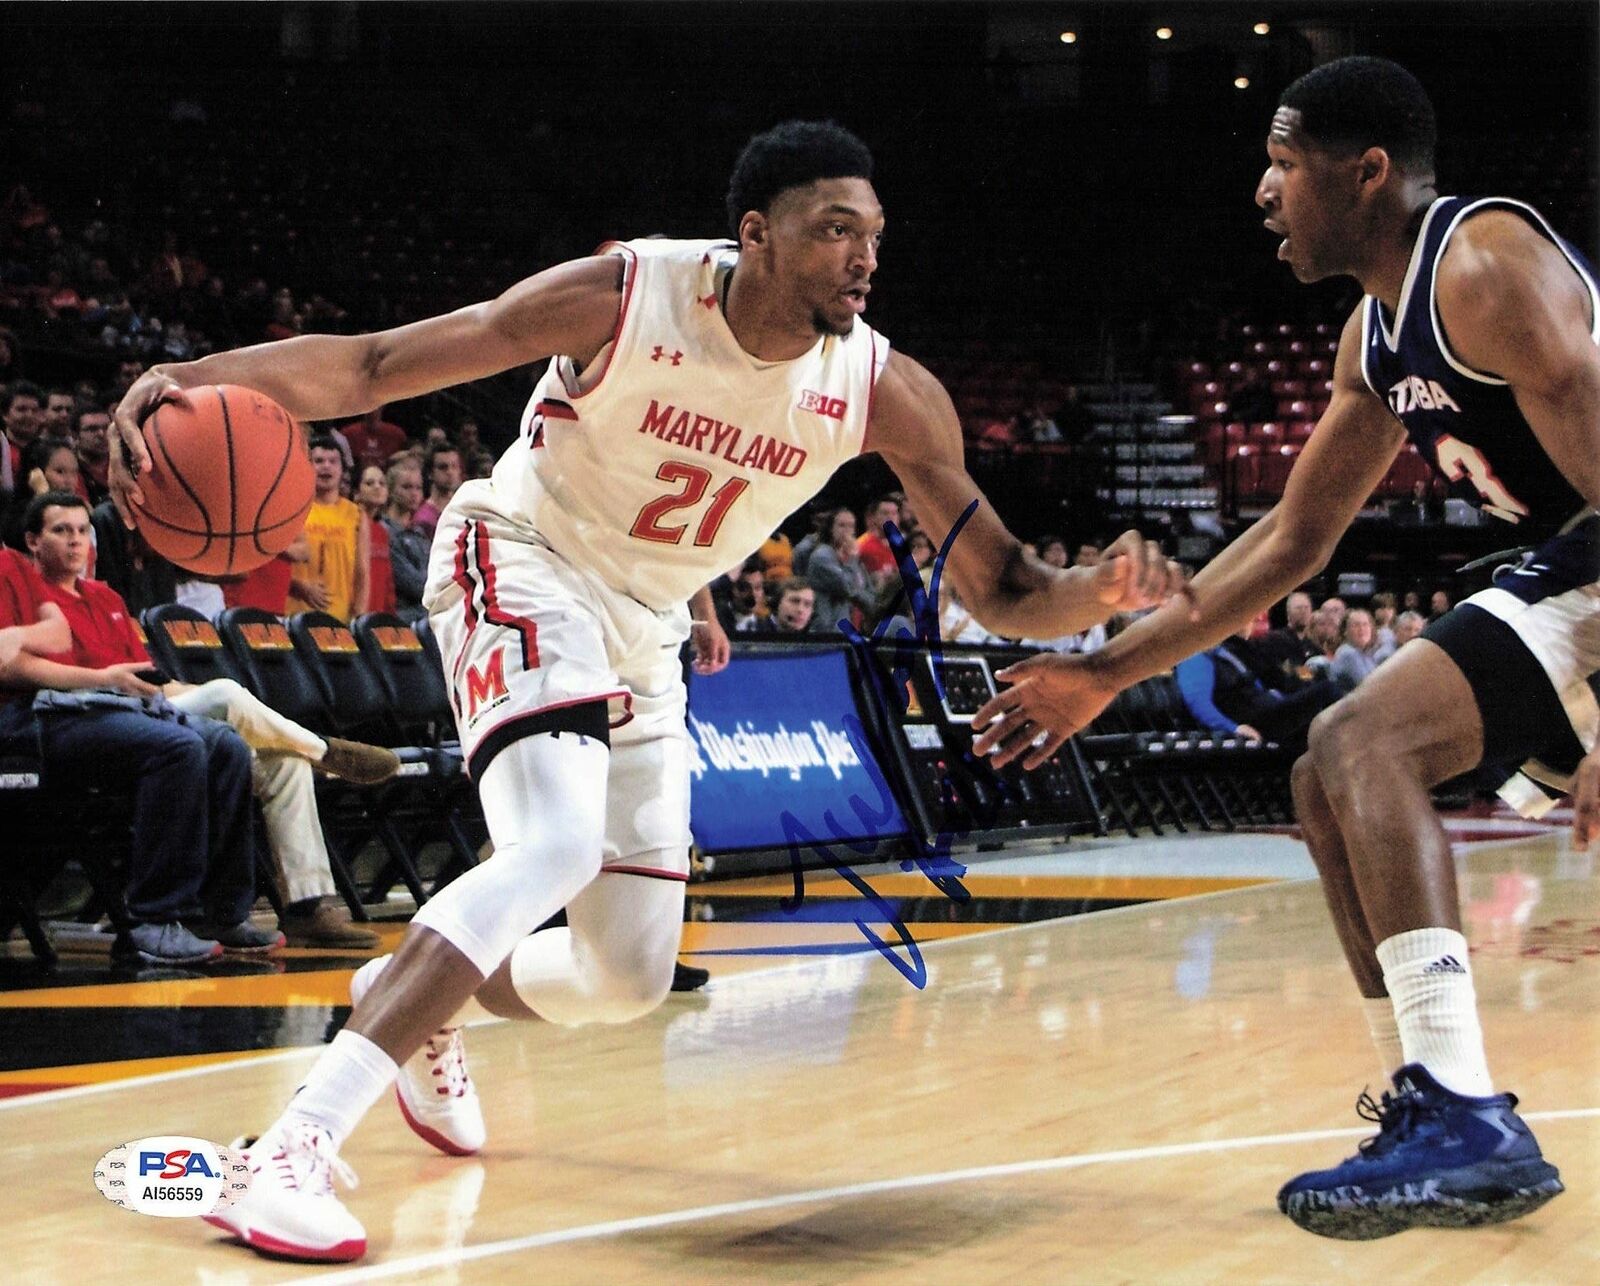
x=1334 y=742
x=1306 y=786
x=634 y=984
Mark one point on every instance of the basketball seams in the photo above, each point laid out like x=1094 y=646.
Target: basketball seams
x=194 y=497
x=256 y=528
x=233 y=477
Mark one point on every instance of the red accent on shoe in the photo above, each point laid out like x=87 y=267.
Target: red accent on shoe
x=341 y=1252
x=429 y=1135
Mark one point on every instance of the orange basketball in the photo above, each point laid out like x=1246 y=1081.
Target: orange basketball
x=230 y=482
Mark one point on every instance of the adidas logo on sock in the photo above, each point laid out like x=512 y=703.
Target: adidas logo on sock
x=1444 y=964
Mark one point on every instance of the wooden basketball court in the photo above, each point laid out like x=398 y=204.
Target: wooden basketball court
x=1111 y=1097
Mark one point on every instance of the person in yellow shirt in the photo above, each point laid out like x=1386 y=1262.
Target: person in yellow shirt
x=334 y=579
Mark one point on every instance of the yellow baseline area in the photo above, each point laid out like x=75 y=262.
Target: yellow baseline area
x=124 y=1069
x=914 y=884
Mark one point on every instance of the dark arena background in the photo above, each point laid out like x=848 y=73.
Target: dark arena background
x=961 y=1025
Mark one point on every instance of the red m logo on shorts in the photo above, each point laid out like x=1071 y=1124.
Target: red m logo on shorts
x=486 y=686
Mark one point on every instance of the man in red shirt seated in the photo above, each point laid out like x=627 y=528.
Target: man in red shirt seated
x=192 y=844
x=283 y=750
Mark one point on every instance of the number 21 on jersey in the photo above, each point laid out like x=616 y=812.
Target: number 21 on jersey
x=692 y=481
x=1457 y=460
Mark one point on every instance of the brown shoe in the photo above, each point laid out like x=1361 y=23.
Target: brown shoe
x=357 y=762
x=328 y=924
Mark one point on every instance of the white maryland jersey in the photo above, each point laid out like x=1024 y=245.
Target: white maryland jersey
x=674 y=456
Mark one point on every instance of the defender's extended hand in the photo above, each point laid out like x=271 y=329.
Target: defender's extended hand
x=1050 y=697
x=1134 y=574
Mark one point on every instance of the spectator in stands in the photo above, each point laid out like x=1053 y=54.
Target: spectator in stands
x=1407 y=626
x=281 y=751
x=1073 y=417
x=125 y=562
x=373 y=496
x=266 y=588
x=48 y=464
x=873 y=546
x=441 y=468
x=90 y=424
x=1358 y=655
x=1419 y=509
x=21 y=408
x=922 y=551
x=1038 y=425
x=1233 y=690
x=480 y=464
x=796 y=607
x=1052 y=551
x=1326 y=633
x=373 y=439
x=1088 y=555
x=842 y=586
x=468 y=440
x=1338 y=607
x=1412 y=602
x=740 y=597
x=777 y=558
x=821 y=523
x=998 y=432
x=1438 y=604
x=56 y=419
x=408 y=547
x=336 y=579
x=127 y=735
x=1383 y=613
x=1291 y=648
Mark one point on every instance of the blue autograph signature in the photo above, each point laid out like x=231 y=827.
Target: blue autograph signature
x=890 y=684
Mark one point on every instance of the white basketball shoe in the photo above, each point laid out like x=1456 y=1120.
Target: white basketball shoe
x=290 y=1209
x=434 y=1089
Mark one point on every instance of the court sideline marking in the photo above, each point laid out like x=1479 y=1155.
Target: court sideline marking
x=811 y=1196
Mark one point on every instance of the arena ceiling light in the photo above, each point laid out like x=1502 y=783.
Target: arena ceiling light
x=1163 y=33
x=1069 y=37
x=1262 y=28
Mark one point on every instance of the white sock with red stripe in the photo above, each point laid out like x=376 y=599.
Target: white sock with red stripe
x=1435 y=1007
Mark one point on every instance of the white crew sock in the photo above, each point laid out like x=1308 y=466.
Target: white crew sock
x=1385 y=1033
x=471 y=1011
x=345 y=1082
x=1428 y=977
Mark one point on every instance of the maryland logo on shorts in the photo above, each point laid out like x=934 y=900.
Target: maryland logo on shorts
x=486 y=686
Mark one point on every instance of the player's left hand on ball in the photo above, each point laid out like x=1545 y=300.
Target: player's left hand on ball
x=1586 y=801
x=712 y=651
x=1134 y=574
x=1050 y=697
x=130 y=458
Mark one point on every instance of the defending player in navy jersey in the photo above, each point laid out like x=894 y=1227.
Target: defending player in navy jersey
x=701 y=392
x=1476 y=339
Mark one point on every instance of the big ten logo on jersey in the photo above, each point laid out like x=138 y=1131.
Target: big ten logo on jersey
x=486 y=687
x=1413 y=393
x=833 y=407
x=172 y=1176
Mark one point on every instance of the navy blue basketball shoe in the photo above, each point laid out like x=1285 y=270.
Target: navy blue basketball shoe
x=1439 y=1160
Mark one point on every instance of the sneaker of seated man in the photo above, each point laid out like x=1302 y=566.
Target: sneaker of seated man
x=193 y=850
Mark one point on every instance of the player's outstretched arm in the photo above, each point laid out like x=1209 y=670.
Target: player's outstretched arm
x=1512 y=306
x=571 y=309
x=1052 y=697
x=915 y=428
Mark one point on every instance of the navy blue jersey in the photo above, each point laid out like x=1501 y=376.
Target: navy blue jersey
x=1466 y=423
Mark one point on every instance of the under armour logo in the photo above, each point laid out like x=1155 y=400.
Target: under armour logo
x=675 y=358
x=1444 y=964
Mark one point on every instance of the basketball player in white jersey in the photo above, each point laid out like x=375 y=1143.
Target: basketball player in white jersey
x=701 y=392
